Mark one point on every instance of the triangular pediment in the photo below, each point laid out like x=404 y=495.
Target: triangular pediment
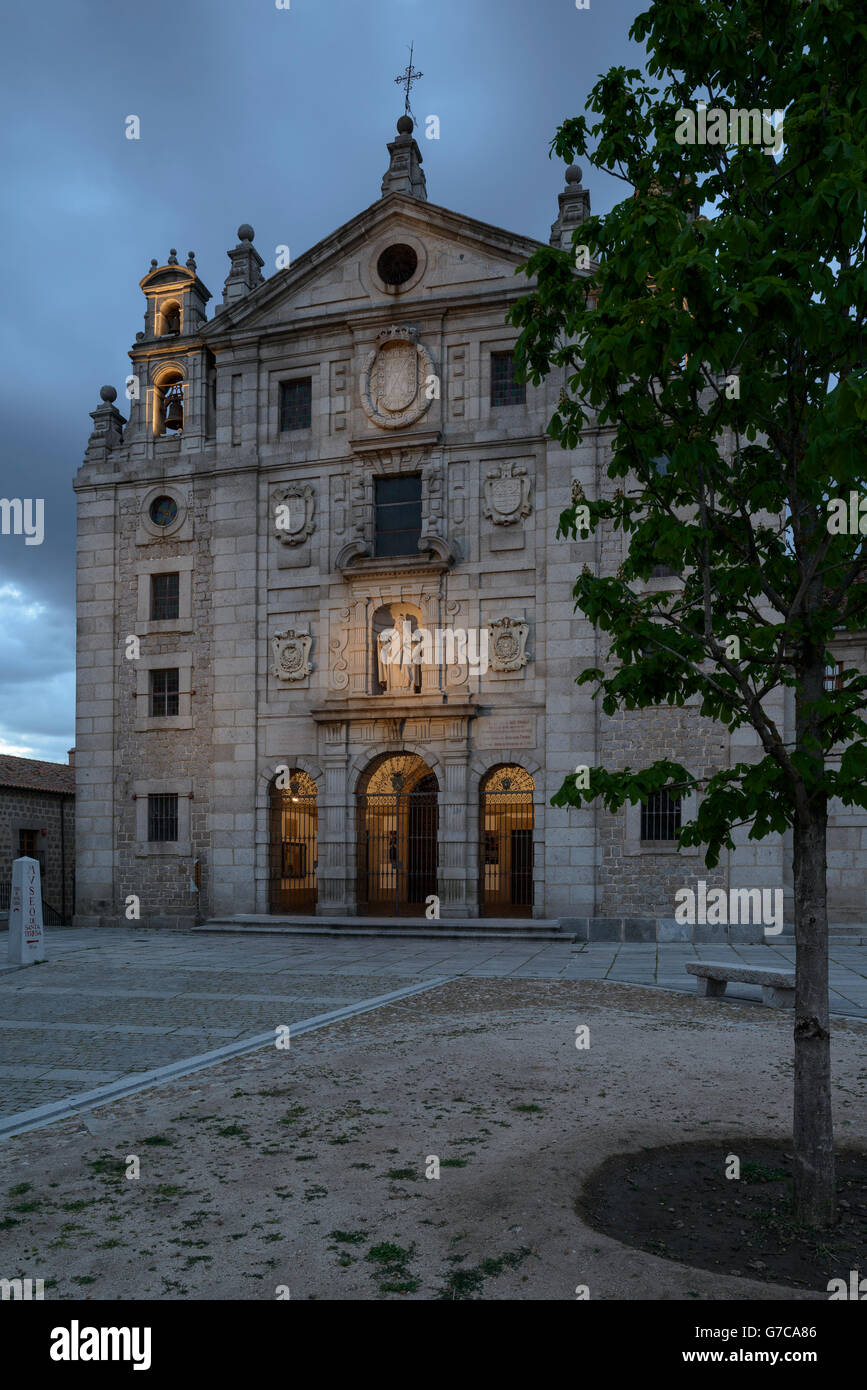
x=457 y=256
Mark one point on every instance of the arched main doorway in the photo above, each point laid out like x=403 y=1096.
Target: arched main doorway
x=293 y=848
x=506 y=842
x=397 y=825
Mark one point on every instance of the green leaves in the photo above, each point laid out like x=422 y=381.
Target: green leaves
x=725 y=353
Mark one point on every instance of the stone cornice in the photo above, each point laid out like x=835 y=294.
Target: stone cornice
x=367 y=707
x=366 y=567
x=394 y=439
x=351 y=320
x=168 y=345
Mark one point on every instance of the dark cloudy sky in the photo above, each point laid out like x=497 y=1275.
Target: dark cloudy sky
x=248 y=113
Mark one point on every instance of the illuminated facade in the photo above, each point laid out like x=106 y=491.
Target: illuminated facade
x=342 y=452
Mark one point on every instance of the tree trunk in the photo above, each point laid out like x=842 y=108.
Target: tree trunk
x=815 y=1196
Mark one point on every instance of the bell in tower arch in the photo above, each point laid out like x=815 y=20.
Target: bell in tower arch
x=173 y=403
x=171 y=319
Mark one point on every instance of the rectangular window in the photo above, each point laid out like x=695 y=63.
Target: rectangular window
x=164 y=692
x=165 y=596
x=834 y=676
x=162 y=817
x=296 y=403
x=398 y=515
x=505 y=390
x=660 y=817
x=662 y=572
x=27 y=843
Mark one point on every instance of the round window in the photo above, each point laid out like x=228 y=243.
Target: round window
x=397 y=264
x=163 y=511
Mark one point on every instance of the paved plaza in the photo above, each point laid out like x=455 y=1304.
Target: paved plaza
x=113 y=1002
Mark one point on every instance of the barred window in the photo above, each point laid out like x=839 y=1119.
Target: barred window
x=834 y=676
x=660 y=816
x=505 y=390
x=164 y=692
x=163 y=817
x=165 y=596
x=296 y=403
x=398 y=515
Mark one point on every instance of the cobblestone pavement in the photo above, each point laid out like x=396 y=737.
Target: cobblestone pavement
x=118 y=1001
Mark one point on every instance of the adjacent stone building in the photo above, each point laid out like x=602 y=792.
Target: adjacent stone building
x=341 y=453
x=37 y=818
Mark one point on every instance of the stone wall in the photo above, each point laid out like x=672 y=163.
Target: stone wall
x=636 y=880
x=34 y=810
x=165 y=751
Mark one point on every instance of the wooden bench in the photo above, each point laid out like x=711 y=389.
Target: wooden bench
x=778 y=986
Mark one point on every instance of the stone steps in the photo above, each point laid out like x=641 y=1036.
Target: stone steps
x=452 y=928
x=470 y=929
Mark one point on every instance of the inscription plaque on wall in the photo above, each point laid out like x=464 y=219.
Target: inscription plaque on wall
x=515 y=732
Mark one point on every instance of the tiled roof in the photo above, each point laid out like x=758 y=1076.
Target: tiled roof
x=33 y=775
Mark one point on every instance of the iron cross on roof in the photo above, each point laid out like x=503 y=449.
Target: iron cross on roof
x=407 y=77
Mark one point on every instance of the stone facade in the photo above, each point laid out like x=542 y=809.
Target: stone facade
x=395 y=321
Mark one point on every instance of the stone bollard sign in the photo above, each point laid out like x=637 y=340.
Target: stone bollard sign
x=26 y=939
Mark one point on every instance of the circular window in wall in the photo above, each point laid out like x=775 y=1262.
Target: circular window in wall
x=397 y=264
x=163 y=511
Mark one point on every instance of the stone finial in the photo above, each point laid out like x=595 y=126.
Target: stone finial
x=405 y=174
x=108 y=423
x=246 y=270
x=574 y=209
x=173 y=257
x=191 y=260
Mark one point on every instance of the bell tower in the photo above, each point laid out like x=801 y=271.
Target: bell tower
x=171 y=384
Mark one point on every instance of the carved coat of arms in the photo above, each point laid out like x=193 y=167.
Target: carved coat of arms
x=508 y=642
x=507 y=494
x=395 y=376
x=293 y=513
x=291 y=652
x=395 y=389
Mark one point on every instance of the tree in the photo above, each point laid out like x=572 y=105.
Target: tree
x=725 y=353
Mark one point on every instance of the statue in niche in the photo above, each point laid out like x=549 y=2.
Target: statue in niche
x=397 y=668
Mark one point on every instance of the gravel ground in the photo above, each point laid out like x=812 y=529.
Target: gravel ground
x=305 y=1169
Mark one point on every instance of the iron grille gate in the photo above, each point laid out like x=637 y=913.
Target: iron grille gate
x=397 y=850
x=293 y=863
x=506 y=854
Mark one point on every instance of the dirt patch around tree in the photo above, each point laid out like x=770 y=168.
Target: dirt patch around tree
x=677 y=1202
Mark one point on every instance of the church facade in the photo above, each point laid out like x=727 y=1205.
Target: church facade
x=327 y=646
